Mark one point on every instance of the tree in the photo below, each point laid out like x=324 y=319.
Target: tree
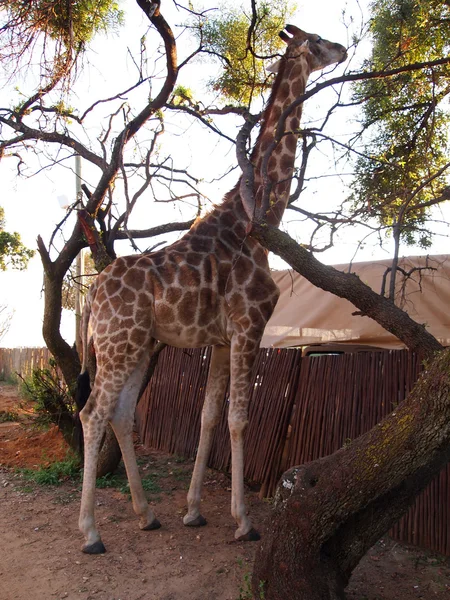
x=312 y=552
x=404 y=162
x=46 y=118
x=12 y=252
x=58 y=30
x=241 y=43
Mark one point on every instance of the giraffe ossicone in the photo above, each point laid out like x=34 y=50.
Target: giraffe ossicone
x=210 y=288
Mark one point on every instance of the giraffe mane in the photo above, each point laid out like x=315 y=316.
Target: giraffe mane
x=269 y=106
x=231 y=194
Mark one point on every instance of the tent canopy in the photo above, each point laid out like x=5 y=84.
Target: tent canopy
x=307 y=315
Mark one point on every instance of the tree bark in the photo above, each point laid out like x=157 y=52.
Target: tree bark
x=110 y=454
x=329 y=512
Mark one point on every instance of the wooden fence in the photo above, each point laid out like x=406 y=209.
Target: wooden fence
x=22 y=361
x=300 y=409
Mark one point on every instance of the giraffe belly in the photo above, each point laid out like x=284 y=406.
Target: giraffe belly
x=190 y=337
x=195 y=327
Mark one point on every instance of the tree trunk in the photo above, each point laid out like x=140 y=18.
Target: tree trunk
x=329 y=512
x=109 y=455
x=65 y=356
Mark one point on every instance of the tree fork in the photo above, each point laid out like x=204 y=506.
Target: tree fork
x=67 y=357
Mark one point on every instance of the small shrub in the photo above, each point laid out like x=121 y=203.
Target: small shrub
x=120 y=483
x=150 y=485
x=245 y=590
x=55 y=473
x=8 y=416
x=50 y=396
x=111 y=481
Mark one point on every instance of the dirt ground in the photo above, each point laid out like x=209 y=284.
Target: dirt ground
x=40 y=556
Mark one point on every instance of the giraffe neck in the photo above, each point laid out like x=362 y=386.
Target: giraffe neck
x=274 y=170
x=290 y=83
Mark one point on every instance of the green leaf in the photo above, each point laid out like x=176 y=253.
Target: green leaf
x=223 y=35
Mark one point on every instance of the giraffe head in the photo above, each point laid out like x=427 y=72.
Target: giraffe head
x=319 y=52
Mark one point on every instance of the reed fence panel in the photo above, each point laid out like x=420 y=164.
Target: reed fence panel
x=300 y=409
x=22 y=361
x=169 y=412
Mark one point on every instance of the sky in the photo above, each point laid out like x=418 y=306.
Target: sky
x=32 y=207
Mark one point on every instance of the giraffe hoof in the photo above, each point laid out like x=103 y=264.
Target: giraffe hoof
x=95 y=548
x=250 y=536
x=197 y=522
x=155 y=524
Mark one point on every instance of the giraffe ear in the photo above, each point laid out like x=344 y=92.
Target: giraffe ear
x=274 y=67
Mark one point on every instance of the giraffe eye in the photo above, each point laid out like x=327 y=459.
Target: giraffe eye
x=319 y=39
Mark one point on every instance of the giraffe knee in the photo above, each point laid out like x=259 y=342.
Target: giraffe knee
x=209 y=421
x=237 y=425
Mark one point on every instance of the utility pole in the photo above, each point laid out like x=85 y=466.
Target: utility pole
x=79 y=265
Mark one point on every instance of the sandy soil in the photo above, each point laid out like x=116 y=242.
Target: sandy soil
x=40 y=556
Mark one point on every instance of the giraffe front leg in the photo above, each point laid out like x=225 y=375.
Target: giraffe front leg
x=219 y=372
x=237 y=423
x=93 y=429
x=241 y=369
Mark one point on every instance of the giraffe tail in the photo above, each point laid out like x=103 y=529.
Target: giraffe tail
x=83 y=391
x=83 y=388
x=83 y=381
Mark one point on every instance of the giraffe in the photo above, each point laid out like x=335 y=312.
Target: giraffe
x=213 y=288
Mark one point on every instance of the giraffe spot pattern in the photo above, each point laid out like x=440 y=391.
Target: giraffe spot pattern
x=165 y=313
x=187 y=308
x=298 y=87
x=172 y=295
x=112 y=286
x=207 y=307
x=291 y=146
x=126 y=295
x=242 y=269
x=134 y=278
x=138 y=336
x=189 y=278
x=194 y=259
x=202 y=244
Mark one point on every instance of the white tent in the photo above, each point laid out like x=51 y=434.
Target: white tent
x=307 y=315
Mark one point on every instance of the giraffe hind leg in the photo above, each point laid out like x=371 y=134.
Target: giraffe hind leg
x=117 y=405
x=94 y=424
x=122 y=422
